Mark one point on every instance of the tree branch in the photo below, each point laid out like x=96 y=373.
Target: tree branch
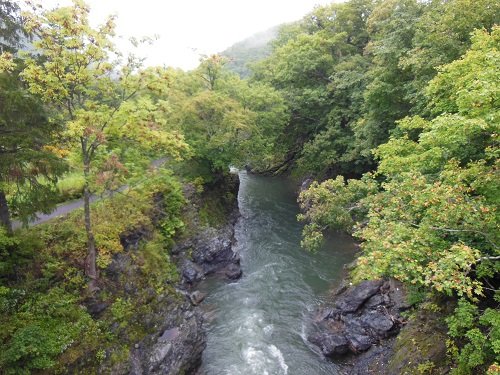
x=488 y=258
x=460 y=230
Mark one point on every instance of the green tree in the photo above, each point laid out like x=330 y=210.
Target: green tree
x=318 y=66
x=211 y=69
x=11 y=29
x=25 y=132
x=97 y=98
x=433 y=221
x=267 y=108
x=441 y=35
x=391 y=27
x=215 y=125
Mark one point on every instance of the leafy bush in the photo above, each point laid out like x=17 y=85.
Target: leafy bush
x=478 y=335
x=45 y=325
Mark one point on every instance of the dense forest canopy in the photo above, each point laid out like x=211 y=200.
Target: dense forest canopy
x=391 y=106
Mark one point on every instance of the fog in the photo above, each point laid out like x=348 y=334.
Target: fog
x=189 y=28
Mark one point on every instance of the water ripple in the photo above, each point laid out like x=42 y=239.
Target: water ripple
x=260 y=322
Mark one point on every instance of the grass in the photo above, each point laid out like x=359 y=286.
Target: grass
x=71 y=186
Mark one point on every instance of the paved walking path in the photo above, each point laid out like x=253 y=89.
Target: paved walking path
x=65 y=208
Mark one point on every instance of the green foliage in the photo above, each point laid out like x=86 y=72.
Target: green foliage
x=426 y=367
x=157 y=266
x=333 y=204
x=70 y=186
x=225 y=120
x=478 y=334
x=171 y=205
x=46 y=325
x=318 y=65
x=442 y=34
x=215 y=125
x=26 y=135
x=433 y=221
x=350 y=71
x=121 y=310
x=99 y=100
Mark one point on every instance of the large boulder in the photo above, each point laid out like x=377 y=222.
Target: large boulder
x=176 y=350
x=213 y=250
x=209 y=252
x=331 y=344
x=352 y=299
x=191 y=272
x=360 y=317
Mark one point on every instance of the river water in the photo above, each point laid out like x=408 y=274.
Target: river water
x=259 y=323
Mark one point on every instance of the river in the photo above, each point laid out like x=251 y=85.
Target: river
x=259 y=323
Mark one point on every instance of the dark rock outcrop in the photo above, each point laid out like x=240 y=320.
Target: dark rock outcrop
x=360 y=317
x=351 y=300
x=209 y=252
x=177 y=349
x=191 y=272
x=213 y=250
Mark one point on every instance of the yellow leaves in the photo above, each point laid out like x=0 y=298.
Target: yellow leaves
x=60 y=152
x=6 y=62
x=75 y=129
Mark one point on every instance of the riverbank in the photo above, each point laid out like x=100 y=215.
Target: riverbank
x=373 y=328
x=143 y=319
x=203 y=248
x=380 y=327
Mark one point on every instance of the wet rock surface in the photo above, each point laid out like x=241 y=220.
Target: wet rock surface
x=175 y=349
x=178 y=347
x=360 y=319
x=210 y=252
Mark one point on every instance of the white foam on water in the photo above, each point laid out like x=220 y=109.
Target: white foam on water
x=276 y=353
x=268 y=329
x=256 y=359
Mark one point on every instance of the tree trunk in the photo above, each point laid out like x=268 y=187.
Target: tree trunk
x=4 y=213
x=90 y=261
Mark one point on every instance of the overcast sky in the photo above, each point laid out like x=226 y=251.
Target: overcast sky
x=188 y=28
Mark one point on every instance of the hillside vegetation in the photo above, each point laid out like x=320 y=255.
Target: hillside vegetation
x=392 y=107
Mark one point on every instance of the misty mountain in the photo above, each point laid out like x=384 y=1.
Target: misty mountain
x=249 y=50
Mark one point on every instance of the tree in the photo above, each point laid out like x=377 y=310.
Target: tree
x=25 y=155
x=261 y=147
x=211 y=69
x=433 y=222
x=391 y=26
x=430 y=217
x=96 y=97
x=215 y=125
x=11 y=32
x=25 y=132
x=228 y=122
x=441 y=35
x=318 y=66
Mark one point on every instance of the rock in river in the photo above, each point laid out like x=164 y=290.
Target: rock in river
x=361 y=316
